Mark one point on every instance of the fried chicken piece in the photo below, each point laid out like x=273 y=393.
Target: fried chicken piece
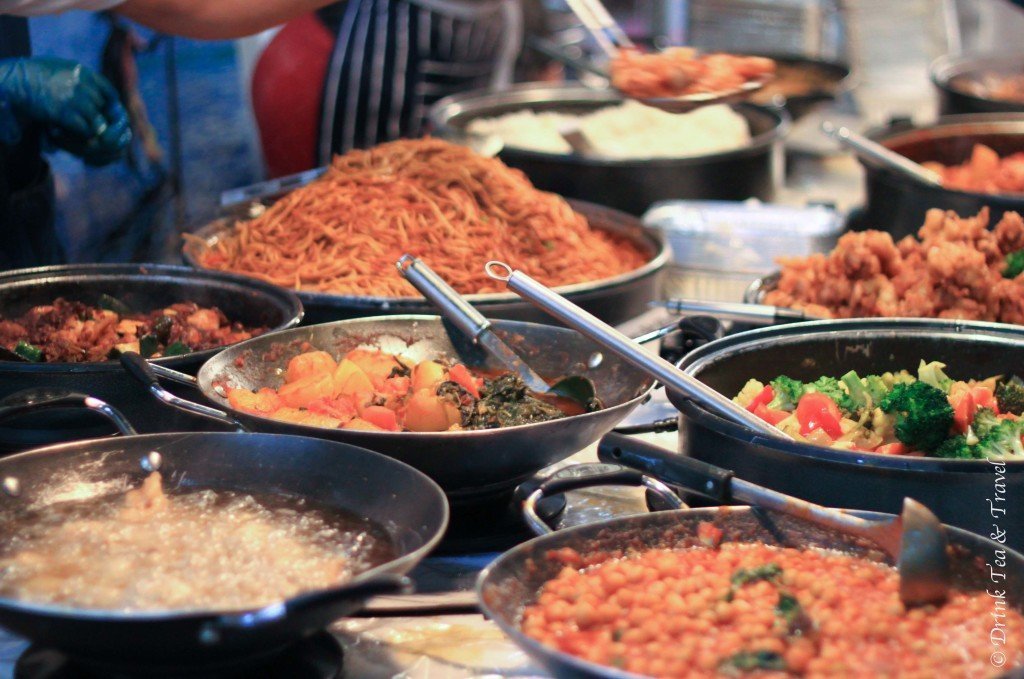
x=1009 y=233
x=952 y=270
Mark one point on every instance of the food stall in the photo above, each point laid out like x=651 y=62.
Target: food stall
x=682 y=366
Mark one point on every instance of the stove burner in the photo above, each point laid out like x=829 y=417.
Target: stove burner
x=316 y=657
x=496 y=523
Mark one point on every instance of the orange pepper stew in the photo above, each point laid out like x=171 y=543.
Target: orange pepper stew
x=762 y=611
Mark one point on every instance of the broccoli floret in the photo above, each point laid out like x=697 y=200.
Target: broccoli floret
x=985 y=420
x=858 y=394
x=876 y=388
x=956 y=447
x=923 y=415
x=787 y=392
x=1014 y=264
x=1010 y=394
x=832 y=388
x=931 y=373
x=1002 y=440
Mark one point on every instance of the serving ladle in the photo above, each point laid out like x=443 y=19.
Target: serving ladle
x=879 y=155
x=917 y=539
x=477 y=328
x=610 y=37
x=741 y=312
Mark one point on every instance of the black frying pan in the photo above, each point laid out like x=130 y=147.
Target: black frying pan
x=514 y=579
x=465 y=463
x=142 y=287
x=393 y=496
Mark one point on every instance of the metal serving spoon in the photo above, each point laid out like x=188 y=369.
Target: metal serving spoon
x=475 y=326
x=915 y=539
x=610 y=338
x=880 y=155
x=610 y=37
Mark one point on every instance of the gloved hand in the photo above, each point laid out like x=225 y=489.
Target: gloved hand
x=77 y=109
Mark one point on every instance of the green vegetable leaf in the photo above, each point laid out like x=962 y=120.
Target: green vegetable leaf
x=858 y=393
x=745 y=576
x=1014 y=264
x=148 y=344
x=177 y=349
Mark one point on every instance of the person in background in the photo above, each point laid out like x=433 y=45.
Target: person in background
x=48 y=103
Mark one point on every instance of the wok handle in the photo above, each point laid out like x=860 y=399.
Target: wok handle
x=141 y=370
x=588 y=476
x=315 y=610
x=656 y=427
x=30 y=400
x=672 y=468
x=471 y=322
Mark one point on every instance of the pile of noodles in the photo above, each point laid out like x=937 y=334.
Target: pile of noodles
x=430 y=198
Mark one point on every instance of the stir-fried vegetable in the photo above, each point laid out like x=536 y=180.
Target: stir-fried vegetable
x=897 y=413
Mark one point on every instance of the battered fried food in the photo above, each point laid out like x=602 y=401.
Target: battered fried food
x=956 y=267
x=984 y=172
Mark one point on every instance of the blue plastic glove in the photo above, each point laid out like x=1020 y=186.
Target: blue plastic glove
x=76 y=108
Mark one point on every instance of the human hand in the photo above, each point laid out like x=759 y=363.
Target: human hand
x=77 y=108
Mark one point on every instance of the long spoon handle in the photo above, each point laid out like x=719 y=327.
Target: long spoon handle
x=874 y=151
x=605 y=335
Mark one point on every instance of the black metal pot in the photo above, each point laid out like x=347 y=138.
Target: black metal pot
x=959 y=80
x=629 y=185
x=958 y=491
x=897 y=204
x=405 y=504
x=615 y=300
x=802 y=84
x=514 y=579
x=140 y=286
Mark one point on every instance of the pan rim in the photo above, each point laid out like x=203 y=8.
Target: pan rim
x=401 y=564
x=202 y=377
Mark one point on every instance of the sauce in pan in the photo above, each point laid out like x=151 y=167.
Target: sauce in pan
x=146 y=550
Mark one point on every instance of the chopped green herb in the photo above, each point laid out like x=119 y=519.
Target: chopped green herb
x=744 y=661
x=29 y=352
x=792 y=613
x=616 y=635
x=745 y=576
x=177 y=349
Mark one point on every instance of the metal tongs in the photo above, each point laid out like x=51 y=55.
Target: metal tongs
x=915 y=539
x=477 y=328
x=740 y=312
x=611 y=38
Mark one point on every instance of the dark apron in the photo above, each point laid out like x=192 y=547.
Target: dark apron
x=27 y=230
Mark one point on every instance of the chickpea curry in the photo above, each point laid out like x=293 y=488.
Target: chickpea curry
x=372 y=390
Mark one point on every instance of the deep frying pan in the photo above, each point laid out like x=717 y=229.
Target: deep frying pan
x=513 y=581
x=958 y=491
x=467 y=464
x=405 y=503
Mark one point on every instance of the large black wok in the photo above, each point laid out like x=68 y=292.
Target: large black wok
x=958 y=491
x=408 y=506
x=513 y=581
x=466 y=464
x=142 y=287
